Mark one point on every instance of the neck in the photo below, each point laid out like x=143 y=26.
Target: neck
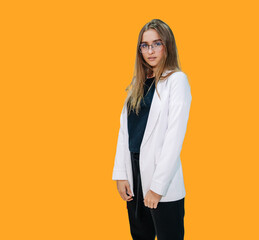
x=154 y=71
x=150 y=76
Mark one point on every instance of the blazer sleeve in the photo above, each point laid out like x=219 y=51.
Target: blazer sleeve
x=119 y=169
x=169 y=159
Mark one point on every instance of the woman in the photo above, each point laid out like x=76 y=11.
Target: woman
x=153 y=123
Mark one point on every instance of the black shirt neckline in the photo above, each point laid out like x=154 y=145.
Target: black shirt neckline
x=149 y=81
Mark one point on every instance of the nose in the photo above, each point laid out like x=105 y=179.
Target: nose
x=150 y=47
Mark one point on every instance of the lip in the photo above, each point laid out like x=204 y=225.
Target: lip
x=151 y=58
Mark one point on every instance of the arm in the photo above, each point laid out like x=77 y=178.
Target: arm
x=179 y=107
x=119 y=169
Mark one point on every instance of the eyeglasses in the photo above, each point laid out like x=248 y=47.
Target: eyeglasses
x=157 y=46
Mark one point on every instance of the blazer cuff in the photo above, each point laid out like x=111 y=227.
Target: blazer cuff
x=159 y=188
x=119 y=175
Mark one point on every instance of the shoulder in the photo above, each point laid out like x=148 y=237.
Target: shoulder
x=178 y=78
x=179 y=86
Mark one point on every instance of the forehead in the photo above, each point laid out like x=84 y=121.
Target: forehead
x=150 y=36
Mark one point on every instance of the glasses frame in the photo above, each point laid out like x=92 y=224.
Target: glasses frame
x=152 y=46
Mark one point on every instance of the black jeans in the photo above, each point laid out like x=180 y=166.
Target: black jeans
x=166 y=221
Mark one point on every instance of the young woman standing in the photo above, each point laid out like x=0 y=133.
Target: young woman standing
x=153 y=123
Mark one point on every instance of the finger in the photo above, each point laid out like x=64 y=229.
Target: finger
x=123 y=194
x=151 y=204
x=130 y=199
x=128 y=190
x=126 y=196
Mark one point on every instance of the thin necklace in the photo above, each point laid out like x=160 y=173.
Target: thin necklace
x=150 y=86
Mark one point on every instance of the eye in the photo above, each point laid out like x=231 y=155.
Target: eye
x=143 y=45
x=158 y=43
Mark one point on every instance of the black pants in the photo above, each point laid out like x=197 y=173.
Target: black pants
x=166 y=221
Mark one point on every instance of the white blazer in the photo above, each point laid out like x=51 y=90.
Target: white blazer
x=159 y=158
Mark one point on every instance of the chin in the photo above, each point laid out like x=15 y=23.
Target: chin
x=152 y=65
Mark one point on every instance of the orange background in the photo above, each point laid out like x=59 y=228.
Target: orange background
x=64 y=68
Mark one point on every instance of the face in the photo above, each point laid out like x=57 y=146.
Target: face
x=152 y=56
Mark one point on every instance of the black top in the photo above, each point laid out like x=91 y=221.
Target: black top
x=137 y=123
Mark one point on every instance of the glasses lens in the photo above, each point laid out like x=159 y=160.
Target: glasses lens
x=143 y=47
x=157 y=46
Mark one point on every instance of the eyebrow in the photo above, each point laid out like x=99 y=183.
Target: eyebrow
x=154 y=40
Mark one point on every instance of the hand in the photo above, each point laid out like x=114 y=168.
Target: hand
x=124 y=190
x=151 y=199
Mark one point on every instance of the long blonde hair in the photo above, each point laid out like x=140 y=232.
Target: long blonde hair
x=142 y=70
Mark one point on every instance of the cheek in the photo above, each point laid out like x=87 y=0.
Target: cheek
x=162 y=52
x=161 y=55
x=145 y=56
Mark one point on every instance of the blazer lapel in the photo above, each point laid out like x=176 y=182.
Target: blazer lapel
x=153 y=112
x=153 y=115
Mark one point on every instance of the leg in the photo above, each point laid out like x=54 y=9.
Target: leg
x=142 y=227
x=140 y=219
x=168 y=218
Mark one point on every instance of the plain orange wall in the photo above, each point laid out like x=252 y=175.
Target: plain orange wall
x=64 y=68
